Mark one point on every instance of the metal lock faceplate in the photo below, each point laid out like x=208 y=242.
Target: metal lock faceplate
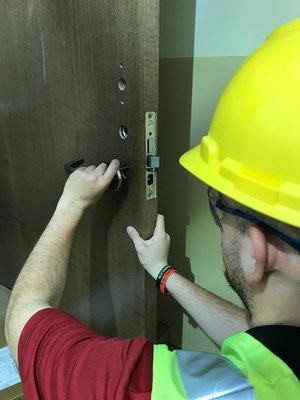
x=152 y=159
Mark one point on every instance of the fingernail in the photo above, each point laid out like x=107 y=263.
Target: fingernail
x=129 y=228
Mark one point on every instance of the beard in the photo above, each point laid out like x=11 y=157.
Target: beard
x=234 y=273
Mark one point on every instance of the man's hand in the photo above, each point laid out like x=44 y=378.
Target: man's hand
x=86 y=185
x=152 y=253
x=217 y=317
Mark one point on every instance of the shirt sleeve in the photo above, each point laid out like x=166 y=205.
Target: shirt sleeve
x=60 y=358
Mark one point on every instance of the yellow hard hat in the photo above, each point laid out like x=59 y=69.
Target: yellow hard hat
x=252 y=150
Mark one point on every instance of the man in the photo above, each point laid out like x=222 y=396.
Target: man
x=256 y=203
x=58 y=357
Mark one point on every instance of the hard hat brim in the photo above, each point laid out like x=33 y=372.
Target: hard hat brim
x=194 y=163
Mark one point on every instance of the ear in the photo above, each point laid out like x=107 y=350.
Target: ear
x=260 y=254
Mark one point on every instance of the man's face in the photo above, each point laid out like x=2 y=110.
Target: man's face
x=232 y=241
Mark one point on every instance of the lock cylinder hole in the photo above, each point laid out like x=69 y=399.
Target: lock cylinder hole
x=123 y=132
x=121 y=84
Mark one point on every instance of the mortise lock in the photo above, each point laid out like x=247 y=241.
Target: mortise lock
x=152 y=159
x=117 y=182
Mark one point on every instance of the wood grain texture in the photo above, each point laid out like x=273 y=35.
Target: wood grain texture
x=59 y=100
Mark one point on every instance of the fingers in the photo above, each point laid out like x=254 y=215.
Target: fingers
x=134 y=235
x=104 y=172
x=160 y=226
x=111 y=171
x=112 y=168
x=101 y=169
x=90 y=168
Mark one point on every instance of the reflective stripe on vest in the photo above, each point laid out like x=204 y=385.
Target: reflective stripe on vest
x=191 y=375
x=210 y=376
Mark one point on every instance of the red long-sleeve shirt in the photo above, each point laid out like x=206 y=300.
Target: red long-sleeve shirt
x=60 y=358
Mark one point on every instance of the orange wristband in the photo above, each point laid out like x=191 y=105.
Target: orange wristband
x=163 y=282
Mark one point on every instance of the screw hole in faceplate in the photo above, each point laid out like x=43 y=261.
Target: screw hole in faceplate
x=122 y=101
x=121 y=65
x=122 y=84
x=123 y=132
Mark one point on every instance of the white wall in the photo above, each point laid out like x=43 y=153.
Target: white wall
x=237 y=27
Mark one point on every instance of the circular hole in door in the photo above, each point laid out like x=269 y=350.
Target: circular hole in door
x=122 y=84
x=123 y=132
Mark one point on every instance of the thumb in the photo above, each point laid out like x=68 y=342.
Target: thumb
x=134 y=235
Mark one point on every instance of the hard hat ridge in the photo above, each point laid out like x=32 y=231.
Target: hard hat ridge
x=252 y=150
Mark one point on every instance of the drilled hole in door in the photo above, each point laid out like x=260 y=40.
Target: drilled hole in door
x=122 y=84
x=123 y=132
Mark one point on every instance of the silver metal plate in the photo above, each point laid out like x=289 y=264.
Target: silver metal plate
x=151 y=154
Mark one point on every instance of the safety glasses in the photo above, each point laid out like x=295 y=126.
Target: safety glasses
x=218 y=208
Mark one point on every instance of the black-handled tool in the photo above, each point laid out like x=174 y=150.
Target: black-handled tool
x=121 y=175
x=72 y=165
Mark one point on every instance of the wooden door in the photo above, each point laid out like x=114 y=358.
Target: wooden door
x=72 y=73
